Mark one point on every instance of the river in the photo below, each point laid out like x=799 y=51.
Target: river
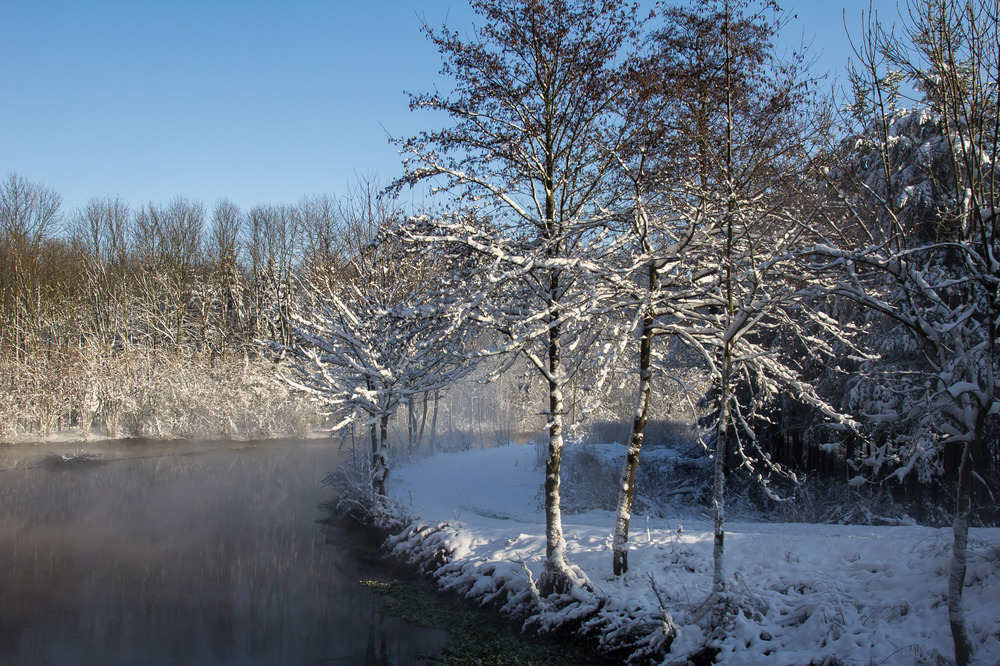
x=191 y=553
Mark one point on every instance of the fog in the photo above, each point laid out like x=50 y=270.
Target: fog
x=200 y=553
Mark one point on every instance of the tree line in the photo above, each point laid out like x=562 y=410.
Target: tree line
x=153 y=320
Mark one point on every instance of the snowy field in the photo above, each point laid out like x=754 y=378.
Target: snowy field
x=811 y=593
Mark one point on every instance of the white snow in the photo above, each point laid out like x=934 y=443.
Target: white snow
x=809 y=593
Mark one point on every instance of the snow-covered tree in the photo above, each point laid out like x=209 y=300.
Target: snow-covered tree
x=924 y=207
x=381 y=334
x=538 y=92
x=734 y=179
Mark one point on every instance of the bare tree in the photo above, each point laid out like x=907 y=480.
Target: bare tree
x=324 y=240
x=539 y=88
x=728 y=172
x=273 y=242
x=924 y=205
x=223 y=250
x=168 y=245
x=29 y=216
x=100 y=231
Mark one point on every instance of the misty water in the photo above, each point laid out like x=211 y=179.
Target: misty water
x=200 y=553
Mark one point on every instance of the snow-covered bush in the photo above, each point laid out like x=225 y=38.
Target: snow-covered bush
x=591 y=479
x=817 y=500
x=143 y=393
x=194 y=398
x=666 y=482
x=661 y=433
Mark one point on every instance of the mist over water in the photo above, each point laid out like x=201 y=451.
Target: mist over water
x=201 y=553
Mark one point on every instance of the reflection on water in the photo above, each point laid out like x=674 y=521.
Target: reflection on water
x=204 y=554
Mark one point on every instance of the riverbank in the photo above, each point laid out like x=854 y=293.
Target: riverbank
x=810 y=593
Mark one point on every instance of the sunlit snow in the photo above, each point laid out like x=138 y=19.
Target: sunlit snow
x=810 y=593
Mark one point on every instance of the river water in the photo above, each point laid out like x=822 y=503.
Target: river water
x=200 y=553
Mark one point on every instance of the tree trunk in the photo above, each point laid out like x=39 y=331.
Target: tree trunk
x=555 y=577
x=626 y=483
x=960 y=552
x=376 y=459
x=411 y=425
x=380 y=465
x=434 y=421
x=383 y=445
x=423 y=420
x=719 y=594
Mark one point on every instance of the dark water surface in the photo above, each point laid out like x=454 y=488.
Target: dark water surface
x=200 y=553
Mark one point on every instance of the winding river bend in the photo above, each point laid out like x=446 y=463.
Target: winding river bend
x=197 y=553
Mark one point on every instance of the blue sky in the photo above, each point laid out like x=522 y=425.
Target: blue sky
x=261 y=102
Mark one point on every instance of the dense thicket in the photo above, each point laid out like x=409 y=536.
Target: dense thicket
x=153 y=321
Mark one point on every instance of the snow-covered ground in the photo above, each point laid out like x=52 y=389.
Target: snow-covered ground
x=811 y=593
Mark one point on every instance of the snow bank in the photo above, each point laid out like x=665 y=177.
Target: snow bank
x=809 y=593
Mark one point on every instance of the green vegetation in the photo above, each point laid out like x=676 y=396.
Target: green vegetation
x=479 y=635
